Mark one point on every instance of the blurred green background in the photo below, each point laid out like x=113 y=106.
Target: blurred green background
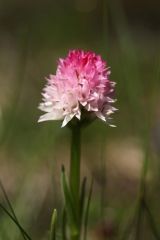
x=33 y=35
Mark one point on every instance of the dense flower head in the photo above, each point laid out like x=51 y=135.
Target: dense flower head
x=81 y=83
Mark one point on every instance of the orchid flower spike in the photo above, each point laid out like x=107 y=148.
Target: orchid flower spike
x=81 y=83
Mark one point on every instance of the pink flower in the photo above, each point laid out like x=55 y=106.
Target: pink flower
x=81 y=83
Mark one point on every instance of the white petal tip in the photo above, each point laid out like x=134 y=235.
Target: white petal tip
x=63 y=124
x=111 y=125
x=41 y=120
x=67 y=119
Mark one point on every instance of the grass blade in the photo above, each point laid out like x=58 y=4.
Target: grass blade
x=64 y=222
x=69 y=204
x=15 y=221
x=87 y=211
x=11 y=208
x=53 y=225
x=82 y=199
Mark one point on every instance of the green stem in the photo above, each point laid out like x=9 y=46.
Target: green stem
x=75 y=173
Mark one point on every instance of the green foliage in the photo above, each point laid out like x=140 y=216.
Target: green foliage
x=69 y=206
x=33 y=37
x=12 y=215
x=53 y=225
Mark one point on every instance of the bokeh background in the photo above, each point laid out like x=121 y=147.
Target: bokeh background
x=33 y=35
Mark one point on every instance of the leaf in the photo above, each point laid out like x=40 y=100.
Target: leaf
x=87 y=211
x=15 y=221
x=82 y=199
x=53 y=225
x=13 y=216
x=64 y=222
x=69 y=204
